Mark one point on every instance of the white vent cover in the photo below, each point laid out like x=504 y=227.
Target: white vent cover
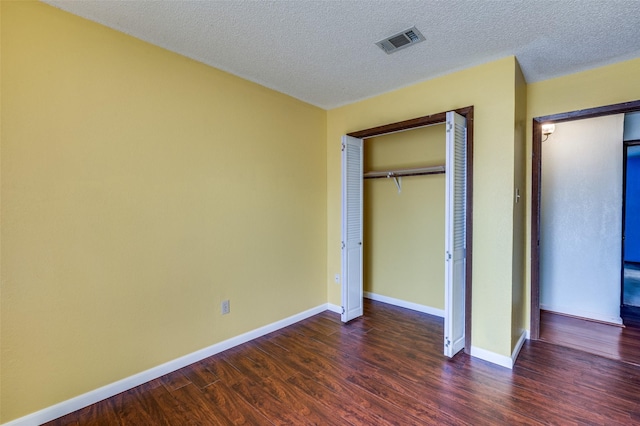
x=401 y=40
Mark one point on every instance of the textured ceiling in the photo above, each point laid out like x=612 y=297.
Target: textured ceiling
x=323 y=51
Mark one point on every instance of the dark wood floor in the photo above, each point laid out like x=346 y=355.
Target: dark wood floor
x=620 y=343
x=386 y=368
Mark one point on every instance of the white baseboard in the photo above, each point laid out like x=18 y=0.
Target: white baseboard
x=498 y=359
x=612 y=319
x=334 y=308
x=516 y=350
x=96 y=395
x=492 y=357
x=404 y=304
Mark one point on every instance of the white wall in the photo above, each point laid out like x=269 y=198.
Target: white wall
x=581 y=213
x=632 y=126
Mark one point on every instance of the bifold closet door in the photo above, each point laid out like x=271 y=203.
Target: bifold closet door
x=455 y=233
x=352 y=164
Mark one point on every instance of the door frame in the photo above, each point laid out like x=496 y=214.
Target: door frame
x=428 y=120
x=536 y=191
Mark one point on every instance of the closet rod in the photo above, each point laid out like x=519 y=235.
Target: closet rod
x=404 y=172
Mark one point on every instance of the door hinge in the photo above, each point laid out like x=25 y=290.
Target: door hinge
x=447 y=256
x=342 y=147
x=449 y=127
x=447 y=342
x=342 y=245
x=342 y=309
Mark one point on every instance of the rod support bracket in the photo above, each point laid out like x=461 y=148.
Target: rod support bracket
x=397 y=180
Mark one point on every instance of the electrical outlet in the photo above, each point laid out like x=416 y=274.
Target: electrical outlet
x=336 y=278
x=225 y=307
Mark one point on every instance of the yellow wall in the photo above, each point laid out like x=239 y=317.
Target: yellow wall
x=490 y=89
x=1 y=297
x=139 y=189
x=135 y=197
x=602 y=86
x=404 y=232
x=589 y=89
x=518 y=297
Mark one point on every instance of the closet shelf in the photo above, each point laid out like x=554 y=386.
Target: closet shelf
x=434 y=170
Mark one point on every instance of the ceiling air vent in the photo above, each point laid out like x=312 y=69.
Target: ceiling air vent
x=401 y=40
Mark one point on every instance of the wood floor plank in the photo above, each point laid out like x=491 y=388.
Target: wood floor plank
x=175 y=411
x=410 y=404
x=610 y=341
x=199 y=374
x=349 y=409
x=102 y=413
x=234 y=408
x=387 y=368
x=259 y=364
x=138 y=406
x=382 y=411
x=223 y=369
x=174 y=380
x=198 y=407
x=289 y=359
x=300 y=402
x=277 y=412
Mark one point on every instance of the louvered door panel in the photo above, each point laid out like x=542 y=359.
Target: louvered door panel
x=455 y=233
x=352 y=159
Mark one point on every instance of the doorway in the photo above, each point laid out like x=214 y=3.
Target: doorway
x=630 y=295
x=581 y=210
x=352 y=231
x=536 y=186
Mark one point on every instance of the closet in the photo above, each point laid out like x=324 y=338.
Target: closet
x=404 y=219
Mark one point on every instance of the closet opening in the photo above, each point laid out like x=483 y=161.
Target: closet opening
x=369 y=156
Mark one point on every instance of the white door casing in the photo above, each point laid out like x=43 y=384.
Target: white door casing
x=455 y=234
x=352 y=188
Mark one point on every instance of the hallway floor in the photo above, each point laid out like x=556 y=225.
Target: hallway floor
x=610 y=341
